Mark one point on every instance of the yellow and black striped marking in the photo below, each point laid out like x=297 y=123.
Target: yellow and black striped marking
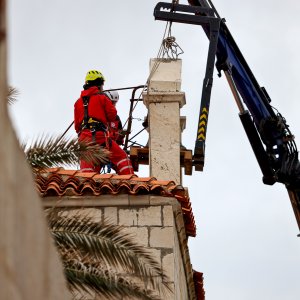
x=202 y=124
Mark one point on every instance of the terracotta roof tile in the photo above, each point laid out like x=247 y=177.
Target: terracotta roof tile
x=144 y=179
x=66 y=172
x=60 y=182
x=162 y=182
x=198 y=281
x=54 y=170
x=103 y=176
x=85 y=174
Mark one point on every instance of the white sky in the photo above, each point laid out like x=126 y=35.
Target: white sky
x=246 y=242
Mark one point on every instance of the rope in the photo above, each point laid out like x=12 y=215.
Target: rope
x=159 y=55
x=118 y=89
x=168 y=49
x=171 y=48
x=153 y=70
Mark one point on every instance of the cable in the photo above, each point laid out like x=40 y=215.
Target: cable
x=169 y=49
x=118 y=89
x=167 y=45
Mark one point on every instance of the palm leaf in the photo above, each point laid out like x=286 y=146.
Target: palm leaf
x=12 y=94
x=109 y=244
x=90 y=278
x=47 y=152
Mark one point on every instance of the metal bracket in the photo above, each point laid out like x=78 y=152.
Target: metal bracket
x=205 y=17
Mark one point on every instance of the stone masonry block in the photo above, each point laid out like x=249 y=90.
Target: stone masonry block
x=149 y=216
x=111 y=214
x=170 y=295
x=168 y=217
x=138 y=200
x=166 y=75
x=163 y=97
x=168 y=265
x=140 y=234
x=128 y=217
x=94 y=213
x=156 y=254
x=162 y=237
x=159 y=200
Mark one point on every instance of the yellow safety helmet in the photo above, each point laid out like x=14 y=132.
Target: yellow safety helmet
x=93 y=75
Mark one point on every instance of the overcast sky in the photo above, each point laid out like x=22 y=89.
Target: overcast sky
x=246 y=244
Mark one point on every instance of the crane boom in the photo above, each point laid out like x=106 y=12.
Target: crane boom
x=269 y=135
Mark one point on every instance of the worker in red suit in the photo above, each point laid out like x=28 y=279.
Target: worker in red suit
x=115 y=127
x=92 y=113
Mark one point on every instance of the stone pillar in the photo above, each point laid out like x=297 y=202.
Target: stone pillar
x=164 y=100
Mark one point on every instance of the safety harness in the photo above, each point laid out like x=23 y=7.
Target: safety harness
x=95 y=125
x=92 y=124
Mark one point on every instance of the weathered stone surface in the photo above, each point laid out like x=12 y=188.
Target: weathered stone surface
x=164 y=101
x=111 y=214
x=139 y=200
x=181 y=268
x=168 y=265
x=156 y=253
x=168 y=217
x=167 y=241
x=165 y=75
x=94 y=213
x=162 y=237
x=165 y=141
x=128 y=217
x=150 y=216
x=140 y=235
x=30 y=268
x=162 y=97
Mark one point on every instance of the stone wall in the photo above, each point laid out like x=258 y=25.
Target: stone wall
x=155 y=222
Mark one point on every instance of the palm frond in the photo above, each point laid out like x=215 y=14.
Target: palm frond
x=49 y=151
x=109 y=244
x=93 y=278
x=12 y=94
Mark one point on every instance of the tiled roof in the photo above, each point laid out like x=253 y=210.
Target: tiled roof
x=198 y=281
x=60 y=182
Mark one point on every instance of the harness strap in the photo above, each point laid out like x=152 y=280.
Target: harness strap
x=93 y=123
x=93 y=131
x=90 y=123
x=86 y=100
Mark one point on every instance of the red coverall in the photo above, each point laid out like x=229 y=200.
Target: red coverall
x=101 y=109
x=115 y=128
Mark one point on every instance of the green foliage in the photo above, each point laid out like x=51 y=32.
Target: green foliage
x=50 y=151
x=47 y=152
